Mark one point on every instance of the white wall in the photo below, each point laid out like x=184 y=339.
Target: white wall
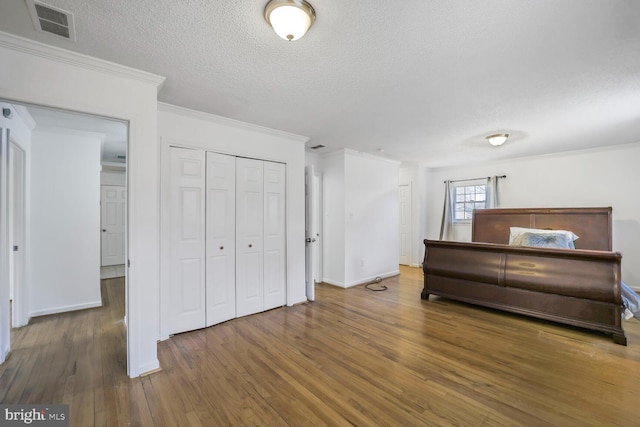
x=65 y=222
x=333 y=213
x=187 y=128
x=360 y=217
x=599 y=177
x=113 y=178
x=372 y=228
x=53 y=77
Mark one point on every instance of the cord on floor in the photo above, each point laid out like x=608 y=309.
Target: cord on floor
x=376 y=282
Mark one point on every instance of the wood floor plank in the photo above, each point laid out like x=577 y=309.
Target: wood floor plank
x=352 y=357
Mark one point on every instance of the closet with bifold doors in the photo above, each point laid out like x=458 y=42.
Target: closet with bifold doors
x=226 y=237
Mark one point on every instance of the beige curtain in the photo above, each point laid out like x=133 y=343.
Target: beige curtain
x=492 y=197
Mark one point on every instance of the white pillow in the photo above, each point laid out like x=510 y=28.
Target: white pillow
x=516 y=231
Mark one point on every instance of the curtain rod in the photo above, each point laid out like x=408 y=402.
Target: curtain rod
x=476 y=179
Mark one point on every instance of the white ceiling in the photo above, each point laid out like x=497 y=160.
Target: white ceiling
x=425 y=81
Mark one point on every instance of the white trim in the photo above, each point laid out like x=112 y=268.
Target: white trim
x=66 y=308
x=169 y=108
x=333 y=283
x=25 y=115
x=361 y=281
x=149 y=367
x=372 y=278
x=294 y=302
x=77 y=59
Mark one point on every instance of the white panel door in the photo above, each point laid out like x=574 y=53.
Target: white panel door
x=249 y=236
x=274 y=235
x=187 y=240
x=221 y=238
x=310 y=224
x=113 y=204
x=405 y=224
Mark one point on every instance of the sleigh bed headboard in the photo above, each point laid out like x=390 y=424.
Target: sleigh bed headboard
x=592 y=225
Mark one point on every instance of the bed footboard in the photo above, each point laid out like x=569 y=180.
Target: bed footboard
x=575 y=287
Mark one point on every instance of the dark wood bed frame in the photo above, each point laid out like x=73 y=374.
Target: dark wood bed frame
x=578 y=287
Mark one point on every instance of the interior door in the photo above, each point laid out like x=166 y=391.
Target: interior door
x=113 y=205
x=274 y=257
x=17 y=233
x=310 y=223
x=186 y=194
x=249 y=236
x=221 y=238
x=405 y=224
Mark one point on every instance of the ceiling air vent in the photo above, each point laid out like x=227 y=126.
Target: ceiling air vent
x=52 y=20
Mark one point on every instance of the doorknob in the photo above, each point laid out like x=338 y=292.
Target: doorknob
x=310 y=240
x=104 y=230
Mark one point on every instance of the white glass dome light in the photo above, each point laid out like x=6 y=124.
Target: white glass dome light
x=290 y=19
x=497 y=139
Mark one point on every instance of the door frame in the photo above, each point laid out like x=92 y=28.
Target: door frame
x=21 y=293
x=165 y=259
x=410 y=224
x=124 y=219
x=17 y=259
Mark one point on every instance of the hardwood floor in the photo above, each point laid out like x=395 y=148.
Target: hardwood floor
x=352 y=357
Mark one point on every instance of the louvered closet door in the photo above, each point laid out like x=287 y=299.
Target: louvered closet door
x=274 y=235
x=221 y=238
x=249 y=236
x=187 y=240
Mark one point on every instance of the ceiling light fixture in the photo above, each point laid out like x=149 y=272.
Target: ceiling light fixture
x=497 y=139
x=290 y=19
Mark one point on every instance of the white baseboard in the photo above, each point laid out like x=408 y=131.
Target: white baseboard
x=148 y=368
x=362 y=280
x=297 y=301
x=372 y=278
x=333 y=282
x=66 y=308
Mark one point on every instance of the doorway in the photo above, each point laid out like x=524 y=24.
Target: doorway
x=53 y=204
x=313 y=246
x=405 y=195
x=16 y=218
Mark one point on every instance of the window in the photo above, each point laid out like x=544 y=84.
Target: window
x=466 y=198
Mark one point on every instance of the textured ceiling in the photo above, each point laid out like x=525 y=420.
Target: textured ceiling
x=424 y=81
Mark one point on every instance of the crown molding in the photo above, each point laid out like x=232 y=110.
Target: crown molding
x=64 y=56
x=169 y=108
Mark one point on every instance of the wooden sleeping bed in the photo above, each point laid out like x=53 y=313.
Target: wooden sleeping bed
x=579 y=287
